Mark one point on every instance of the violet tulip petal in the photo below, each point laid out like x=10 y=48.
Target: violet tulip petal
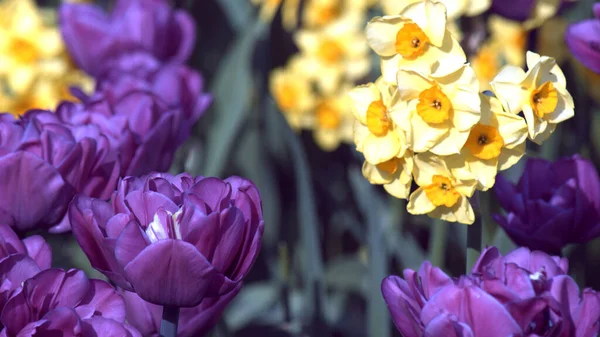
x=101 y=299
x=144 y=205
x=101 y=326
x=39 y=250
x=582 y=38
x=404 y=309
x=180 y=273
x=21 y=175
x=130 y=243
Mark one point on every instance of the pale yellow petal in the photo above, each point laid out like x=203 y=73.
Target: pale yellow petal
x=426 y=165
x=509 y=157
x=379 y=149
x=418 y=203
x=507 y=87
x=431 y=18
x=381 y=34
x=461 y=212
x=376 y=176
x=411 y=84
x=484 y=171
x=398 y=189
x=451 y=143
x=361 y=97
x=467 y=108
x=328 y=140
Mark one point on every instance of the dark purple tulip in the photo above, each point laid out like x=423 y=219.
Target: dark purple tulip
x=174 y=240
x=43 y=163
x=525 y=293
x=553 y=204
x=148 y=31
x=194 y=321
x=65 y=303
x=33 y=246
x=141 y=129
x=583 y=39
x=521 y=10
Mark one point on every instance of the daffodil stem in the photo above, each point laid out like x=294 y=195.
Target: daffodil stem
x=474 y=233
x=437 y=242
x=170 y=318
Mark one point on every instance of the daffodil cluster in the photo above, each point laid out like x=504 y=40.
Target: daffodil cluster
x=35 y=69
x=312 y=89
x=426 y=120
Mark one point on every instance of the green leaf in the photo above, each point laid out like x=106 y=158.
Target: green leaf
x=238 y=12
x=233 y=92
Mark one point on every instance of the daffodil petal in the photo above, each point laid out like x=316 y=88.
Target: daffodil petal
x=381 y=34
x=418 y=203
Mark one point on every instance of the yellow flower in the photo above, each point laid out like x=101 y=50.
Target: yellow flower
x=319 y=13
x=509 y=38
x=395 y=174
x=486 y=64
x=34 y=66
x=334 y=53
x=440 y=194
x=291 y=90
x=455 y=8
x=376 y=135
x=333 y=121
x=442 y=108
x=495 y=143
x=416 y=39
x=540 y=93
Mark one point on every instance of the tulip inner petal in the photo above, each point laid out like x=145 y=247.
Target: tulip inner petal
x=485 y=142
x=441 y=192
x=165 y=225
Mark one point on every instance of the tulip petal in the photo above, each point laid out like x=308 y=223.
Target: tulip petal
x=39 y=250
x=180 y=274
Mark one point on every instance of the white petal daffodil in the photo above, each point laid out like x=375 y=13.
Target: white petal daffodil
x=540 y=93
x=416 y=39
x=496 y=143
x=442 y=108
x=395 y=175
x=440 y=194
x=376 y=107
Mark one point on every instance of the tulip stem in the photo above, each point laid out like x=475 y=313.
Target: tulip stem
x=170 y=318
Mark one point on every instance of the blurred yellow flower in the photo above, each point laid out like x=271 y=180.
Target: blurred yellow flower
x=440 y=194
x=335 y=53
x=486 y=64
x=291 y=89
x=442 y=108
x=509 y=38
x=395 y=174
x=34 y=66
x=319 y=13
x=495 y=143
x=333 y=120
x=416 y=39
x=540 y=93
x=376 y=108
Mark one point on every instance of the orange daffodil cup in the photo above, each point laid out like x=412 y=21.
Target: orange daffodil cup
x=426 y=120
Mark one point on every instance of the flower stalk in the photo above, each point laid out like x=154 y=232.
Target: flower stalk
x=168 y=324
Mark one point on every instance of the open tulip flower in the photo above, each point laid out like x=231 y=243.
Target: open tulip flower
x=525 y=293
x=174 y=240
x=55 y=302
x=41 y=150
x=416 y=39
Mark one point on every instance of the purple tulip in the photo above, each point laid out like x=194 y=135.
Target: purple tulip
x=521 y=10
x=43 y=164
x=136 y=32
x=173 y=240
x=553 y=204
x=141 y=129
x=194 y=321
x=33 y=246
x=583 y=39
x=65 y=303
x=525 y=293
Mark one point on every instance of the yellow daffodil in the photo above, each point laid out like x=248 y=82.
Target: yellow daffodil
x=440 y=194
x=291 y=89
x=319 y=13
x=509 y=39
x=486 y=64
x=540 y=93
x=333 y=121
x=395 y=174
x=334 y=53
x=442 y=108
x=376 y=108
x=34 y=66
x=454 y=8
x=495 y=143
x=416 y=39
